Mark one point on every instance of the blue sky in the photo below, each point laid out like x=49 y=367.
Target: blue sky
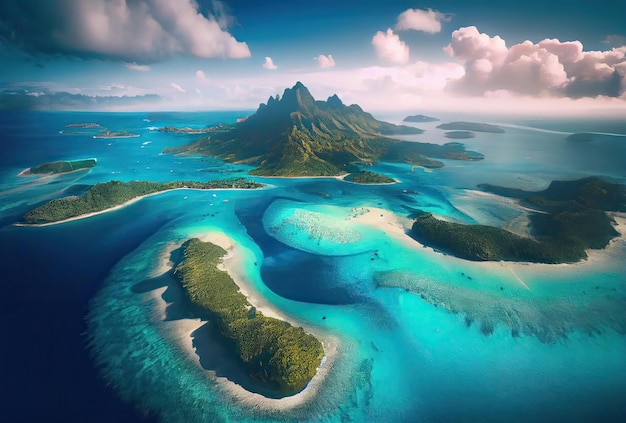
x=388 y=56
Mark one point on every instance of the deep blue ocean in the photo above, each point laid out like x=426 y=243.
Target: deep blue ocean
x=418 y=340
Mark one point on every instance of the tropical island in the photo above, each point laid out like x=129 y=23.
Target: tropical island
x=419 y=119
x=471 y=126
x=185 y=130
x=116 y=134
x=282 y=357
x=83 y=125
x=570 y=217
x=458 y=135
x=295 y=135
x=58 y=167
x=103 y=196
x=367 y=177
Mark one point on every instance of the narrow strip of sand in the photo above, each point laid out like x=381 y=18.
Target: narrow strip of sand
x=128 y=203
x=181 y=330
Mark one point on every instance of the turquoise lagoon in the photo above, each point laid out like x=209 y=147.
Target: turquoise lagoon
x=422 y=336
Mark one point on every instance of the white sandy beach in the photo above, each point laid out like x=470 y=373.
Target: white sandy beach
x=181 y=329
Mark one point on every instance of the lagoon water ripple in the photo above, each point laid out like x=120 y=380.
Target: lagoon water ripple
x=421 y=336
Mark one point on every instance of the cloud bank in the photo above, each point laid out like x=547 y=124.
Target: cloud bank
x=137 y=31
x=422 y=20
x=548 y=68
x=390 y=48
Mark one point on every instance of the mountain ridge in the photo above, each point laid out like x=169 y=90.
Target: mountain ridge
x=296 y=135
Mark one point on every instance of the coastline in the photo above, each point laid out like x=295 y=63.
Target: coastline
x=182 y=329
x=120 y=206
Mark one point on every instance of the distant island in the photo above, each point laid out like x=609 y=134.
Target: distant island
x=84 y=125
x=116 y=134
x=419 y=119
x=280 y=356
x=53 y=168
x=298 y=136
x=185 y=130
x=471 y=126
x=571 y=218
x=459 y=134
x=90 y=128
x=580 y=137
x=367 y=177
x=103 y=196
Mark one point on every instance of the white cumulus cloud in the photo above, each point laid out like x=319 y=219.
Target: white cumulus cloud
x=138 y=31
x=548 y=68
x=269 y=63
x=390 y=48
x=325 y=61
x=422 y=20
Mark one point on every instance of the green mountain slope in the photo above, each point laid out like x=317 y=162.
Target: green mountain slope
x=298 y=136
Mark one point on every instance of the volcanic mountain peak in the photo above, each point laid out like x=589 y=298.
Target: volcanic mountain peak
x=295 y=135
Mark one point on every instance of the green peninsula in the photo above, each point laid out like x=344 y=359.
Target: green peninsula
x=53 y=168
x=298 y=136
x=471 y=126
x=281 y=356
x=185 y=130
x=106 y=195
x=570 y=217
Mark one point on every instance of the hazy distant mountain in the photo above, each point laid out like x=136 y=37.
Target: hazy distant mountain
x=420 y=119
x=27 y=100
x=471 y=126
x=298 y=136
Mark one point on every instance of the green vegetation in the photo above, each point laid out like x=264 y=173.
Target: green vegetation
x=185 y=130
x=116 y=134
x=103 y=196
x=277 y=354
x=458 y=135
x=420 y=119
x=471 y=126
x=572 y=219
x=367 y=177
x=62 y=166
x=299 y=136
x=480 y=242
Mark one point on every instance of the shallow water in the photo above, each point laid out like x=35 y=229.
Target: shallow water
x=423 y=336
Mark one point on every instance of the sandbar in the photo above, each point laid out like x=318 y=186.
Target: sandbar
x=182 y=329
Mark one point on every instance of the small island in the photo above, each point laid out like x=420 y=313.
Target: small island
x=282 y=357
x=54 y=168
x=367 y=177
x=185 y=130
x=419 y=119
x=570 y=218
x=471 y=126
x=107 y=134
x=458 y=135
x=103 y=196
x=90 y=128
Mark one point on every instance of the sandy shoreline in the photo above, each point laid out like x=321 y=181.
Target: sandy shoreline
x=182 y=329
x=128 y=203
